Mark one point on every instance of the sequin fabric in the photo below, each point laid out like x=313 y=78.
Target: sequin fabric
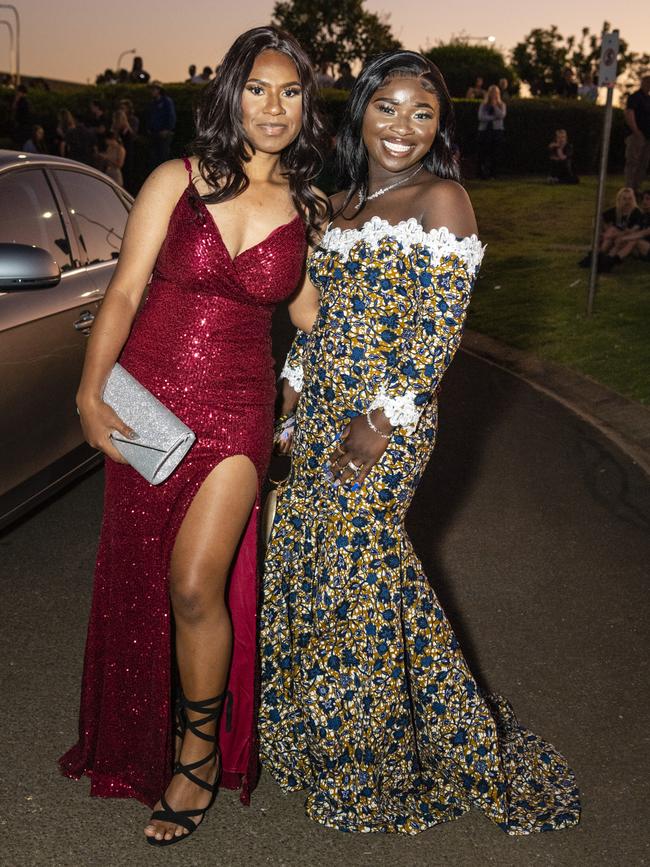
x=367 y=702
x=202 y=346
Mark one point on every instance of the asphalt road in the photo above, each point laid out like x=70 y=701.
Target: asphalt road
x=533 y=530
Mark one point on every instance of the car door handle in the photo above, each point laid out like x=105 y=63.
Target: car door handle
x=84 y=322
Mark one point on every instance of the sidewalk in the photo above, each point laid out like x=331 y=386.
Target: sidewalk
x=624 y=422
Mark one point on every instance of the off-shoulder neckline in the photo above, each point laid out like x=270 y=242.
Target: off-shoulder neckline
x=377 y=222
x=408 y=234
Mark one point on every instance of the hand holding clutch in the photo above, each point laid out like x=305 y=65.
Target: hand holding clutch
x=161 y=441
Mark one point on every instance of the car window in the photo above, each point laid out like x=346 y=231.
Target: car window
x=98 y=213
x=29 y=215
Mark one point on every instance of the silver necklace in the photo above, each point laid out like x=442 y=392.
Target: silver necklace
x=383 y=190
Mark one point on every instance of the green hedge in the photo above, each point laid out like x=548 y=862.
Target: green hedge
x=530 y=123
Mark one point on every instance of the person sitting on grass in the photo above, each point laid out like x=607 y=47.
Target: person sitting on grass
x=625 y=215
x=560 y=152
x=634 y=241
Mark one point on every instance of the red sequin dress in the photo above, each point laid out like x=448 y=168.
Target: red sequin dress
x=202 y=345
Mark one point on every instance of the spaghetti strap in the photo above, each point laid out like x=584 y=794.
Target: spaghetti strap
x=188 y=166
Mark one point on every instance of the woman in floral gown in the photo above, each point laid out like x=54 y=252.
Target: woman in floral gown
x=367 y=702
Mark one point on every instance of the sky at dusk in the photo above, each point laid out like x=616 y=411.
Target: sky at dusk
x=75 y=39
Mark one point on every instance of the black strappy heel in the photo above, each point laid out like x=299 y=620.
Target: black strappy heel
x=211 y=710
x=180 y=725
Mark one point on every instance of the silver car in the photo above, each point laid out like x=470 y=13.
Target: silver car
x=61 y=227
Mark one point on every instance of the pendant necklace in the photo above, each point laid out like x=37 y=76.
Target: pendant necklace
x=383 y=190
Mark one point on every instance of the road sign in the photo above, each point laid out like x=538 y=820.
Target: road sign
x=608 y=59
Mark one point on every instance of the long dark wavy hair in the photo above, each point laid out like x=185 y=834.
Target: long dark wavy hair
x=351 y=153
x=221 y=143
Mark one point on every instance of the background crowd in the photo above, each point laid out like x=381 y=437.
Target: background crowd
x=105 y=137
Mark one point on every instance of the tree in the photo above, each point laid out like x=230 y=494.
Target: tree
x=545 y=53
x=333 y=31
x=460 y=63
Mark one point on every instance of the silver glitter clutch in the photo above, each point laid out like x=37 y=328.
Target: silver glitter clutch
x=163 y=440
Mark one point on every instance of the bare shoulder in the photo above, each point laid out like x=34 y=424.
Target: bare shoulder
x=165 y=183
x=446 y=203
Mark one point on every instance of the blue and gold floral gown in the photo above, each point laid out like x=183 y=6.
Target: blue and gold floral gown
x=367 y=702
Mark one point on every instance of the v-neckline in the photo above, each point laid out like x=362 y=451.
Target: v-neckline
x=216 y=228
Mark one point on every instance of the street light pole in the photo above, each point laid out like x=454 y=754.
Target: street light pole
x=12 y=47
x=123 y=54
x=17 y=43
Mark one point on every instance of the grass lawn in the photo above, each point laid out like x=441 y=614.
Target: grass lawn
x=532 y=295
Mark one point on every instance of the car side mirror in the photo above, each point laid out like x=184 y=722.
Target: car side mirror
x=25 y=267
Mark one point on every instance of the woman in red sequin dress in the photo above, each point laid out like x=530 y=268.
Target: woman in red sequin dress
x=225 y=236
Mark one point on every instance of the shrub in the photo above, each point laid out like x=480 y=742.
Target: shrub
x=461 y=64
x=530 y=125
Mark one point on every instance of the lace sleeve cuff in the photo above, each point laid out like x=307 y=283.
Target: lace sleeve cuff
x=293 y=375
x=400 y=410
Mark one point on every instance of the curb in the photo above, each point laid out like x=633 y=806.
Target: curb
x=624 y=422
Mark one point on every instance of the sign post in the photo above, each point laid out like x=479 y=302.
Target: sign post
x=606 y=78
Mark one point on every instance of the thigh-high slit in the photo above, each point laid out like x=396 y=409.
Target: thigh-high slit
x=125 y=734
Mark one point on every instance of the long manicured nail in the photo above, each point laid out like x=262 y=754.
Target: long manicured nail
x=133 y=435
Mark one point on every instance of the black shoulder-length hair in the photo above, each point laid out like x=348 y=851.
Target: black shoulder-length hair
x=221 y=143
x=351 y=153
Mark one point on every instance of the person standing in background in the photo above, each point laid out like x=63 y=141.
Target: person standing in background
x=588 y=92
x=637 y=145
x=134 y=122
x=503 y=89
x=323 y=77
x=491 y=134
x=112 y=154
x=97 y=120
x=125 y=135
x=345 y=80
x=476 y=91
x=568 y=87
x=203 y=77
x=162 y=123
x=75 y=141
x=21 y=115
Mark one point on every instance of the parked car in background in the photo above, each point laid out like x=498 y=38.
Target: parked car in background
x=61 y=227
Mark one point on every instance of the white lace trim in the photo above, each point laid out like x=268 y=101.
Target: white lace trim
x=294 y=376
x=408 y=233
x=400 y=410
